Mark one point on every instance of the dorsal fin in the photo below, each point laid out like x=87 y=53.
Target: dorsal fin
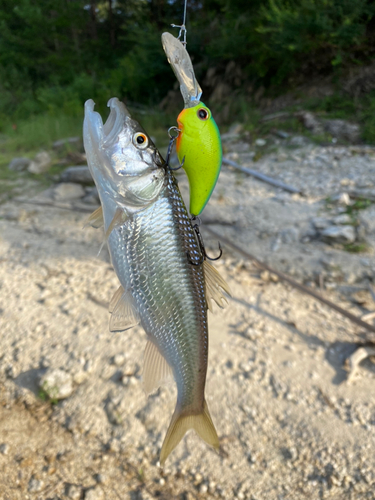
x=214 y=284
x=124 y=313
x=95 y=219
x=155 y=368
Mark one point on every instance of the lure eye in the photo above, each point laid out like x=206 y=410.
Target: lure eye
x=140 y=140
x=202 y=114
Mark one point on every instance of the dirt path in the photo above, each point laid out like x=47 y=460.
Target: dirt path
x=290 y=426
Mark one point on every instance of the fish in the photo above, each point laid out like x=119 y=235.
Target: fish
x=198 y=143
x=165 y=285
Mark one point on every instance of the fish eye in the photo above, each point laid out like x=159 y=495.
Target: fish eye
x=202 y=114
x=140 y=140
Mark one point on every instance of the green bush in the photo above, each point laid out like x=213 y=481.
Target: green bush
x=56 y=54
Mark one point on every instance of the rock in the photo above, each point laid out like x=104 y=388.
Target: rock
x=41 y=163
x=94 y=494
x=4 y=448
x=102 y=479
x=77 y=174
x=347 y=182
x=233 y=156
x=19 y=164
x=299 y=141
x=203 y=489
x=80 y=377
x=74 y=492
x=89 y=366
x=10 y=372
x=310 y=121
x=342 y=199
x=130 y=368
x=57 y=384
x=92 y=197
x=65 y=143
x=260 y=142
x=113 y=413
x=339 y=234
x=282 y=134
x=119 y=359
x=341 y=129
x=34 y=485
x=68 y=191
x=342 y=219
x=320 y=223
x=367 y=218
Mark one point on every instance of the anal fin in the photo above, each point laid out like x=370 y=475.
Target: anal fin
x=116 y=297
x=155 y=368
x=215 y=284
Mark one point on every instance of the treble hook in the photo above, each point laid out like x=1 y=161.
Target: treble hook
x=220 y=254
x=170 y=147
x=196 y=221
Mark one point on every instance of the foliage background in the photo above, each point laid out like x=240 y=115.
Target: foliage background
x=55 y=54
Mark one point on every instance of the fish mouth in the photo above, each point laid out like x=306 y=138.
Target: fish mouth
x=105 y=134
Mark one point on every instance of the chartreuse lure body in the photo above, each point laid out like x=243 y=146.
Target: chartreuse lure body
x=198 y=144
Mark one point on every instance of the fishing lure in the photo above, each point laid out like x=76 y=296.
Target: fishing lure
x=198 y=143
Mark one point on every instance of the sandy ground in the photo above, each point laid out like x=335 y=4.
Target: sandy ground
x=289 y=424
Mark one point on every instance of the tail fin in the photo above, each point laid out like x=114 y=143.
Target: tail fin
x=180 y=424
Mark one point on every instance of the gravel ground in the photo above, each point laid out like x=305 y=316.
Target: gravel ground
x=290 y=425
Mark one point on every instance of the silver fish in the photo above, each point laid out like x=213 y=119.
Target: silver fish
x=155 y=254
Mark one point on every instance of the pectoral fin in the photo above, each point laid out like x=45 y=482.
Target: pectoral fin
x=214 y=286
x=118 y=219
x=96 y=219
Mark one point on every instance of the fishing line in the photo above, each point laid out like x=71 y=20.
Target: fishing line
x=182 y=27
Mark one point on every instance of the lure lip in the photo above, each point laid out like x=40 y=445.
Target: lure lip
x=182 y=66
